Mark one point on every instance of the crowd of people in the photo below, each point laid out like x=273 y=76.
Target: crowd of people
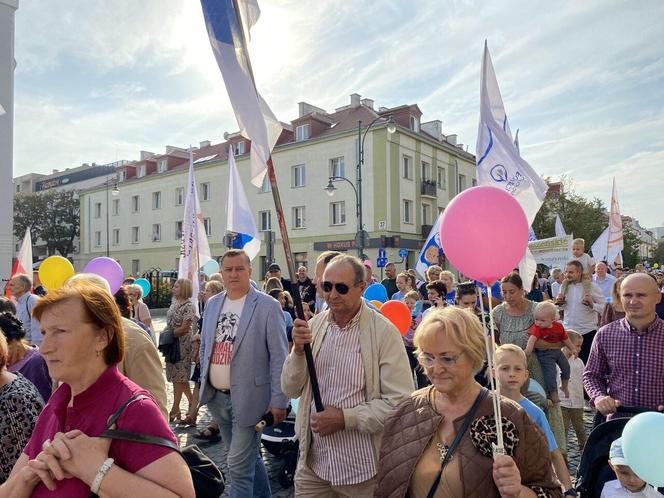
x=399 y=414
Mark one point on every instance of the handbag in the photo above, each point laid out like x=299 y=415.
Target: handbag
x=169 y=346
x=206 y=476
x=457 y=439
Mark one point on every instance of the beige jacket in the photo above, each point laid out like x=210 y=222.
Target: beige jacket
x=387 y=377
x=142 y=364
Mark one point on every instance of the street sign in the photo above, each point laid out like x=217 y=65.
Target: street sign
x=403 y=253
x=381 y=262
x=382 y=253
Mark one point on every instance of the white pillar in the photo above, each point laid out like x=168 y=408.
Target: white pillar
x=7 y=10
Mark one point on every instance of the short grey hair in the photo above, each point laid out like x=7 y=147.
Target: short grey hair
x=91 y=278
x=354 y=263
x=25 y=280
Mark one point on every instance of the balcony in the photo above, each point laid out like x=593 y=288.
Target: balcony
x=426 y=229
x=428 y=188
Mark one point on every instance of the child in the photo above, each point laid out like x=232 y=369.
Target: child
x=572 y=406
x=403 y=284
x=512 y=374
x=553 y=332
x=628 y=483
x=412 y=301
x=588 y=263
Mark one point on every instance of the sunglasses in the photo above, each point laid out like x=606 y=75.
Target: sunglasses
x=340 y=288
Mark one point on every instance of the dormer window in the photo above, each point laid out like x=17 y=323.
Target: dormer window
x=141 y=171
x=414 y=124
x=163 y=165
x=238 y=149
x=302 y=132
x=122 y=175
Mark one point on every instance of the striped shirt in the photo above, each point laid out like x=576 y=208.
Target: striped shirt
x=627 y=364
x=347 y=456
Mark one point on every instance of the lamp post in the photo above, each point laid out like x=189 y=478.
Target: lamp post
x=330 y=189
x=115 y=193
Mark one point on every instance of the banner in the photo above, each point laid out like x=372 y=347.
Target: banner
x=553 y=252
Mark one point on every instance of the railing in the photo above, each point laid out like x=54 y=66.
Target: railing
x=161 y=284
x=428 y=188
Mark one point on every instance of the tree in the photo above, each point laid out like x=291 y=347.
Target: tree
x=53 y=216
x=631 y=243
x=658 y=255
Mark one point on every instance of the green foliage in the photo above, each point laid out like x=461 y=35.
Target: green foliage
x=658 y=254
x=54 y=217
x=631 y=244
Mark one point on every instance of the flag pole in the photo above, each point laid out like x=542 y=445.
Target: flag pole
x=297 y=299
x=608 y=235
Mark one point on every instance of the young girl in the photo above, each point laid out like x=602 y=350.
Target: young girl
x=404 y=285
x=412 y=301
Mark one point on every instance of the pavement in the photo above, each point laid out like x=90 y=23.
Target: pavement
x=274 y=464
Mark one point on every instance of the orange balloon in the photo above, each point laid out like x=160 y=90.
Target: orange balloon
x=397 y=313
x=377 y=304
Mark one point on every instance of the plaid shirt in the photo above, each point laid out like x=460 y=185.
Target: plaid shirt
x=627 y=364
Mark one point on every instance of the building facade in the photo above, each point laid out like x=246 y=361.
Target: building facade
x=408 y=177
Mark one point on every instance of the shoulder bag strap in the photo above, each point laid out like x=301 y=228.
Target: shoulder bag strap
x=114 y=418
x=457 y=439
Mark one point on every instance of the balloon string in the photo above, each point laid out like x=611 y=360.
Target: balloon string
x=490 y=344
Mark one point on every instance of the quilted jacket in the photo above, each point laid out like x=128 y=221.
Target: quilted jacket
x=415 y=421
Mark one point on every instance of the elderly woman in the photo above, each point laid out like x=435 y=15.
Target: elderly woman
x=65 y=457
x=140 y=312
x=613 y=310
x=20 y=404
x=23 y=358
x=181 y=319
x=436 y=441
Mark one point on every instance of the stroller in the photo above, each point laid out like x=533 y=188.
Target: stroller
x=281 y=442
x=594 y=470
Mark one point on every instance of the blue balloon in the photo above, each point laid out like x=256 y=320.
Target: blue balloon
x=643 y=446
x=211 y=267
x=145 y=285
x=376 y=292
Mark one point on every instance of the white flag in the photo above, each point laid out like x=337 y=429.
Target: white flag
x=560 y=230
x=516 y=142
x=23 y=263
x=228 y=35
x=239 y=217
x=615 y=243
x=431 y=250
x=498 y=161
x=2 y=110
x=194 y=247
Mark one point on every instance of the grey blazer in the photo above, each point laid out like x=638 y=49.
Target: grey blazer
x=259 y=352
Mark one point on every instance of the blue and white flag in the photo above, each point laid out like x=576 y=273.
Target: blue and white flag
x=498 y=161
x=228 y=30
x=516 y=142
x=560 y=229
x=239 y=217
x=531 y=234
x=431 y=250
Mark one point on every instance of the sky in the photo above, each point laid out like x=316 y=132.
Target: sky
x=582 y=81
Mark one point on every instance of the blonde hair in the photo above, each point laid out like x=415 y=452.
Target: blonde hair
x=547 y=307
x=214 y=286
x=433 y=269
x=460 y=326
x=574 y=336
x=185 y=288
x=135 y=288
x=449 y=274
x=511 y=348
x=579 y=242
x=413 y=294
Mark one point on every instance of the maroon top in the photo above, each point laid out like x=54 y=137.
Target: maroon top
x=89 y=413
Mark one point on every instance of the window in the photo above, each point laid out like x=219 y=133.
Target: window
x=302 y=132
x=178 y=230
x=298 y=177
x=238 y=148
x=337 y=167
x=338 y=213
x=163 y=165
x=135 y=235
x=442 y=183
x=156 y=200
x=407 y=211
x=474 y=182
x=205 y=191
x=18 y=189
x=207 y=223
x=134 y=266
x=179 y=196
x=462 y=182
x=408 y=167
x=300 y=259
x=266 y=187
x=97 y=239
x=141 y=171
x=298 y=217
x=264 y=221
x=116 y=236
x=426 y=214
x=426 y=171
x=156 y=232
x=414 y=123
x=116 y=207
x=97 y=209
x=135 y=204
x=122 y=176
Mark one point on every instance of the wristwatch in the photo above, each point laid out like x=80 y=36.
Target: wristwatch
x=571 y=492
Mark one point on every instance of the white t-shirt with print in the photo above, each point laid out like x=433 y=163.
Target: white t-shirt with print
x=222 y=351
x=586 y=261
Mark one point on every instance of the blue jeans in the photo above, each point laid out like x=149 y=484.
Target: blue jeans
x=548 y=359
x=245 y=464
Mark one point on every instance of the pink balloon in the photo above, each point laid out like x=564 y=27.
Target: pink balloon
x=484 y=233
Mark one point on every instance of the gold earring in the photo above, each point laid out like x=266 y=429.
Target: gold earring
x=98 y=353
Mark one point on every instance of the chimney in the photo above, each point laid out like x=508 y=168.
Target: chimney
x=368 y=103
x=355 y=100
x=146 y=155
x=433 y=128
x=204 y=143
x=451 y=139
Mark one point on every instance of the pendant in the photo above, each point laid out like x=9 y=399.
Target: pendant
x=442 y=449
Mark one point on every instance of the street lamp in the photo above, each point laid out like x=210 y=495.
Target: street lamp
x=115 y=193
x=361 y=236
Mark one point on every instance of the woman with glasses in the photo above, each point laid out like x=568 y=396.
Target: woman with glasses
x=437 y=442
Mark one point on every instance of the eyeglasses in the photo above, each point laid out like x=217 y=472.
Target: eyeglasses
x=341 y=288
x=428 y=361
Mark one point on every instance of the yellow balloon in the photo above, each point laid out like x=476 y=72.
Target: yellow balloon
x=376 y=303
x=55 y=271
x=656 y=265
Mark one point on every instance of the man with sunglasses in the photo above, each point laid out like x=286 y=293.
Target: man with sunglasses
x=363 y=373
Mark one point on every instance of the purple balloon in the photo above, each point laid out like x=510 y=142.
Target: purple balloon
x=107 y=268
